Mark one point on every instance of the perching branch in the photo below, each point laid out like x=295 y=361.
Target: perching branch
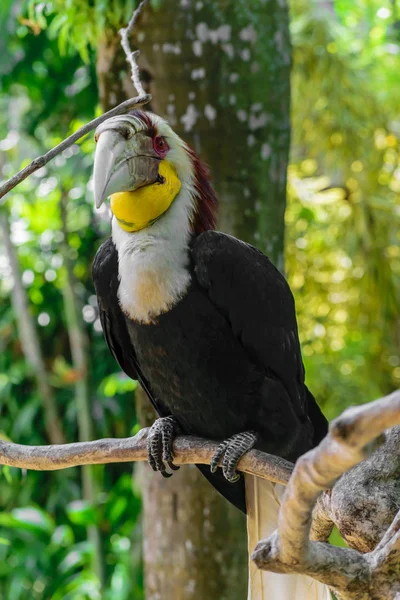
x=187 y=450
x=41 y=161
x=353 y=437
x=131 y=57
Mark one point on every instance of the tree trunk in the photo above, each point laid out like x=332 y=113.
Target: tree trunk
x=113 y=78
x=194 y=541
x=220 y=73
x=30 y=340
x=79 y=343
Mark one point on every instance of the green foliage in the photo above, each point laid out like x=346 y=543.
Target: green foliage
x=343 y=211
x=48 y=558
x=44 y=547
x=48 y=90
x=79 y=24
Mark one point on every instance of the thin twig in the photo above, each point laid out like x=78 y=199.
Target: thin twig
x=187 y=450
x=131 y=56
x=41 y=161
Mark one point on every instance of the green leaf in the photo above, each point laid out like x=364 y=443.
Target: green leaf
x=78 y=556
x=29 y=519
x=63 y=536
x=82 y=512
x=4 y=541
x=6 y=471
x=117 y=383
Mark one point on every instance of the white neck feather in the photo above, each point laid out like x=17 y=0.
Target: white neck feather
x=153 y=262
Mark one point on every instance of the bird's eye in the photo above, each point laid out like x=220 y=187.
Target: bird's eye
x=160 y=146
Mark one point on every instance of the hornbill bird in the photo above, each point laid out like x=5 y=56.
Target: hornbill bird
x=204 y=321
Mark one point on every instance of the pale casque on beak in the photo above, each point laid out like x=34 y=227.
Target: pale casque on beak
x=125 y=160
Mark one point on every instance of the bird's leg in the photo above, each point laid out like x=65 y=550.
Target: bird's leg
x=231 y=451
x=159 y=445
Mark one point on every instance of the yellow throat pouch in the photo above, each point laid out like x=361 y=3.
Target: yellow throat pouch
x=142 y=207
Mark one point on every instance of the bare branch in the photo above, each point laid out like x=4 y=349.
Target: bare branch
x=131 y=57
x=364 y=501
x=41 y=161
x=352 y=438
x=187 y=450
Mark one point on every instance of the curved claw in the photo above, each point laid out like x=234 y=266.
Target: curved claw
x=232 y=478
x=159 y=445
x=229 y=465
x=166 y=474
x=231 y=451
x=173 y=467
x=214 y=464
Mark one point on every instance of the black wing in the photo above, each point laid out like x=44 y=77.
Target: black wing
x=256 y=300
x=105 y=278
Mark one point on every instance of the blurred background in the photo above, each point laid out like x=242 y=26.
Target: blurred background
x=221 y=72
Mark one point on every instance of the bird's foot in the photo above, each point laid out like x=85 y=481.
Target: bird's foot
x=230 y=452
x=159 y=445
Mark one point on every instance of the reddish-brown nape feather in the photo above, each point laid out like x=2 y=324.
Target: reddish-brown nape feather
x=206 y=207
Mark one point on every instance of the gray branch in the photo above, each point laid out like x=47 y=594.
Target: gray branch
x=352 y=438
x=41 y=161
x=132 y=56
x=187 y=450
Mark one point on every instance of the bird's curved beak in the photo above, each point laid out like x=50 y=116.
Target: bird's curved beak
x=124 y=159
